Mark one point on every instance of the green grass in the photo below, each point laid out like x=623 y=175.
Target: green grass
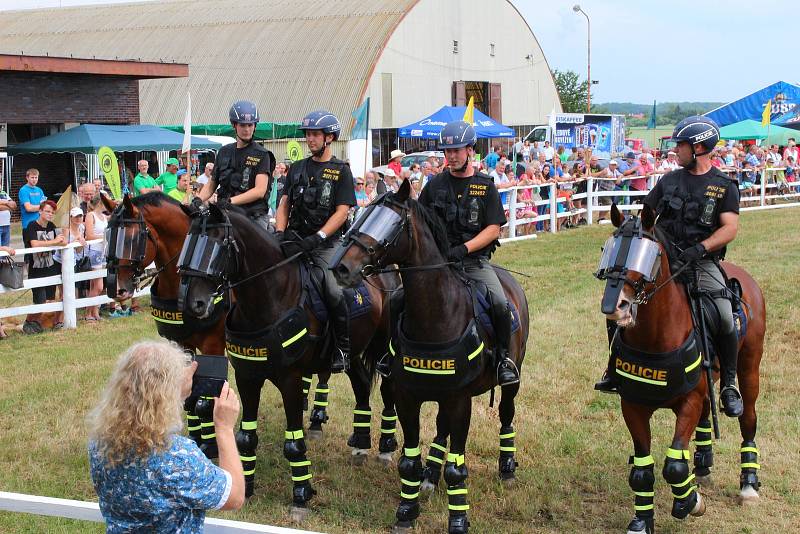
x=573 y=445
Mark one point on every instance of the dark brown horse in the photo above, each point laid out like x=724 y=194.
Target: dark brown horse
x=437 y=319
x=272 y=334
x=654 y=314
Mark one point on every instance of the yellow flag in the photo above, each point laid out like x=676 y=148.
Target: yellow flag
x=108 y=164
x=765 y=117
x=64 y=204
x=469 y=114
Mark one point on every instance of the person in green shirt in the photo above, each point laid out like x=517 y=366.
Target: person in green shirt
x=169 y=180
x=179 y=193
x=143 y=183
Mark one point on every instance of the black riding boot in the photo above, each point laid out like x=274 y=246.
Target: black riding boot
x=340 y=359
x=507 y=372
x=607 y=384
x=729 y=396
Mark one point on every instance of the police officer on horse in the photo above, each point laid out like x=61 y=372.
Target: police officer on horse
x=698 y=208
x=313 y=209
x=242 y=169
x=469 y=204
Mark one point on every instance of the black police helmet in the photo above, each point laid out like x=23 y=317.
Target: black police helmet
x=697 y=129
x=322 y=120
x=243 y=112
x=457 y=134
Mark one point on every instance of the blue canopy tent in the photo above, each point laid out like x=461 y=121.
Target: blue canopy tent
x=785 y=98
x=429 y=127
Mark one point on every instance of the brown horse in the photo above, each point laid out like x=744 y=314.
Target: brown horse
x=441 y=356
x=654 y=315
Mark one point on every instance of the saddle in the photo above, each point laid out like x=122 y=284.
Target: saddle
x=359 y=301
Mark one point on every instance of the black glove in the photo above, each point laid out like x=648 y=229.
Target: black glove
x=693 y=253
x=457 y=253
x=290 y=248
x=311 y=242
x=196 y=203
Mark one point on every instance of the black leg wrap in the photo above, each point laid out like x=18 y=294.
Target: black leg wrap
x=455 y=474
x=457 y=524
x=642 y=524
x=388 y=441
x=192 y=420
x=684 y=491
x=435 y=461
x=410 y=469
x=750 y=465
x=204 y=408
x=704 y=454
x=302 y=493
x=641 y=480
x=319 y=413
x=362 y=419
x=294 y=450
x=247 y=443
x=507 y=464
x=306 y=389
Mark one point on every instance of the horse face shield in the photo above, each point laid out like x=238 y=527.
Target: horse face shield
x=203 y=255
x=125 y=241
x=381 y=224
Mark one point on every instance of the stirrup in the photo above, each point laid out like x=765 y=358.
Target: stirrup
x=384 y=366
x=341 y=363
x=508 y=368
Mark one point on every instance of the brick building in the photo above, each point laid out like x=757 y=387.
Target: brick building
x=42 y=95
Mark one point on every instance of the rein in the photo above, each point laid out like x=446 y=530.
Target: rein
x=287 y=261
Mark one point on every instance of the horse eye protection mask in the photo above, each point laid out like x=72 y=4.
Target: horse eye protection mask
x=624 y=253
x=122 y=245
x=378 y=222
x=201 y=253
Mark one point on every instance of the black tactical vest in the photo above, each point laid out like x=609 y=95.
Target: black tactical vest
x=464 y=218
x=690 y=218
x=236 y=173
x=312 y=198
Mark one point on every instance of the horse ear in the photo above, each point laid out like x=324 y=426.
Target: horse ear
x=403 y=192
x=616 y=216
x=215 y=211
x=648 y=217
x=126 y=201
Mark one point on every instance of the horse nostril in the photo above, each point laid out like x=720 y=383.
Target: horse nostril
x=623 y=305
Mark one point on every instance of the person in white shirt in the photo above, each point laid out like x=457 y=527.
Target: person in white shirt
x=670 y=164
x=549 y=152
x=791 y=150
x=207 y=173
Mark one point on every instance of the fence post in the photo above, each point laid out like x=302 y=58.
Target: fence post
x=68 y=287
x=512 y=212
x=590 y=200
x=553 y=208
x=763 y=187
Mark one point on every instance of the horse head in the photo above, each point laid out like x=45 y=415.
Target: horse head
x=380 y=236
x=207 y=261
x=632 y=263
x=130 y=247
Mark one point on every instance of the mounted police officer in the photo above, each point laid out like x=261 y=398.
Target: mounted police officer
x=242 y=169
x=469 y=204
x=698 y=207
x=312 y=212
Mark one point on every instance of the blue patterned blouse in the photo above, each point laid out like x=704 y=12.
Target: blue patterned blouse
x=166 y=492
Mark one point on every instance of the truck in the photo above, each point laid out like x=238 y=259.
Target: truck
x=604 y=134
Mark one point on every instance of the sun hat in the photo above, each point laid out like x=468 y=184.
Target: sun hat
x=172 y=161
x=396 y=154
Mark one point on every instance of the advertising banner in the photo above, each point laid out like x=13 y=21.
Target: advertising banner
x=602 y=133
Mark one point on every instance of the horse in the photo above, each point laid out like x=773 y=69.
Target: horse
x=438 y=316
x=272 y=334
x=654 y=316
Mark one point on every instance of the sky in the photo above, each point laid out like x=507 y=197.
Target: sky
x=645 y=50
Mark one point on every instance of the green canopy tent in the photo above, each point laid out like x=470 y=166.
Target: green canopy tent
x=264 y=130
x=750 y=129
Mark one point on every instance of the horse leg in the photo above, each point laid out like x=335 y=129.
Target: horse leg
x=459 y=412
x=507 y=463
x=306 y=389
x=192 y=420
x=294 y=445
x=703 y=454
x=410 y=464
x=641 y=478
x=319 y=413
x=748 y=381
x=360 y=440
x=247 y=436
x=685 y=498
x=388 y=440
x=436 y=455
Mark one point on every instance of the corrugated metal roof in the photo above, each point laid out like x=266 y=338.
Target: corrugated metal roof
x=289 y=57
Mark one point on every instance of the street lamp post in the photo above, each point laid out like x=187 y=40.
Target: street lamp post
x=577 y=9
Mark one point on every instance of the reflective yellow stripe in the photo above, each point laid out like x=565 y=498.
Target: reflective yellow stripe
x=300 y=464
x=750 y=466
x=695 y=364
x=640 y=379
x=457 y=459
x=410 y=483
x=320 y=403
x=160 y=320
x=293 y=434
x=249 y=425
x=435 y=445
x=409 y=496
x=639 y=507
x=411 y=452
x=458 y=507
x=388 y=430
x=434 y=459
x=294 y=338
x=218 y=299
x=457 y=491
x=247 y=458
x=506 y=436
x=362 y=425
x=362 y=412
x=644 y=493
x=508 y=449
x=301 y=478
x=677 y=455
x=429 y=371
x=643 y=461
x=307 y=379
x=688 y=492
x=191 y=428
x=320 y=390
x=190 y=416
x=749 y=449
x=389 y=417
x=704 y=442
x=249 y=472
x=477 y=351
x=688 y=479
x=391 y=348
x=252 y=358
x=704 y=429
x=208 y=436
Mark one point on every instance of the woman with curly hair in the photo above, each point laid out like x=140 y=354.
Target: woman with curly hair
x=148 y=477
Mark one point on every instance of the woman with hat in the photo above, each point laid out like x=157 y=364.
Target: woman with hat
x=395 y=161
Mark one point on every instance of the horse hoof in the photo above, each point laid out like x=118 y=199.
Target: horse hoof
x=704 y=481
x=699 y=508
x=298 y=514
x=314 y=435
x=402 y=527
x=386 y=459
x=359 y=456
x=426 y=489
x=748 y=496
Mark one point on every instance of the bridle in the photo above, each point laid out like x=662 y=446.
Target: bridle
x=138 y=261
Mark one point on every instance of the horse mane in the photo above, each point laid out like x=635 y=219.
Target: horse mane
x=243 y=221
x=154 y=199
x=434 y=223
